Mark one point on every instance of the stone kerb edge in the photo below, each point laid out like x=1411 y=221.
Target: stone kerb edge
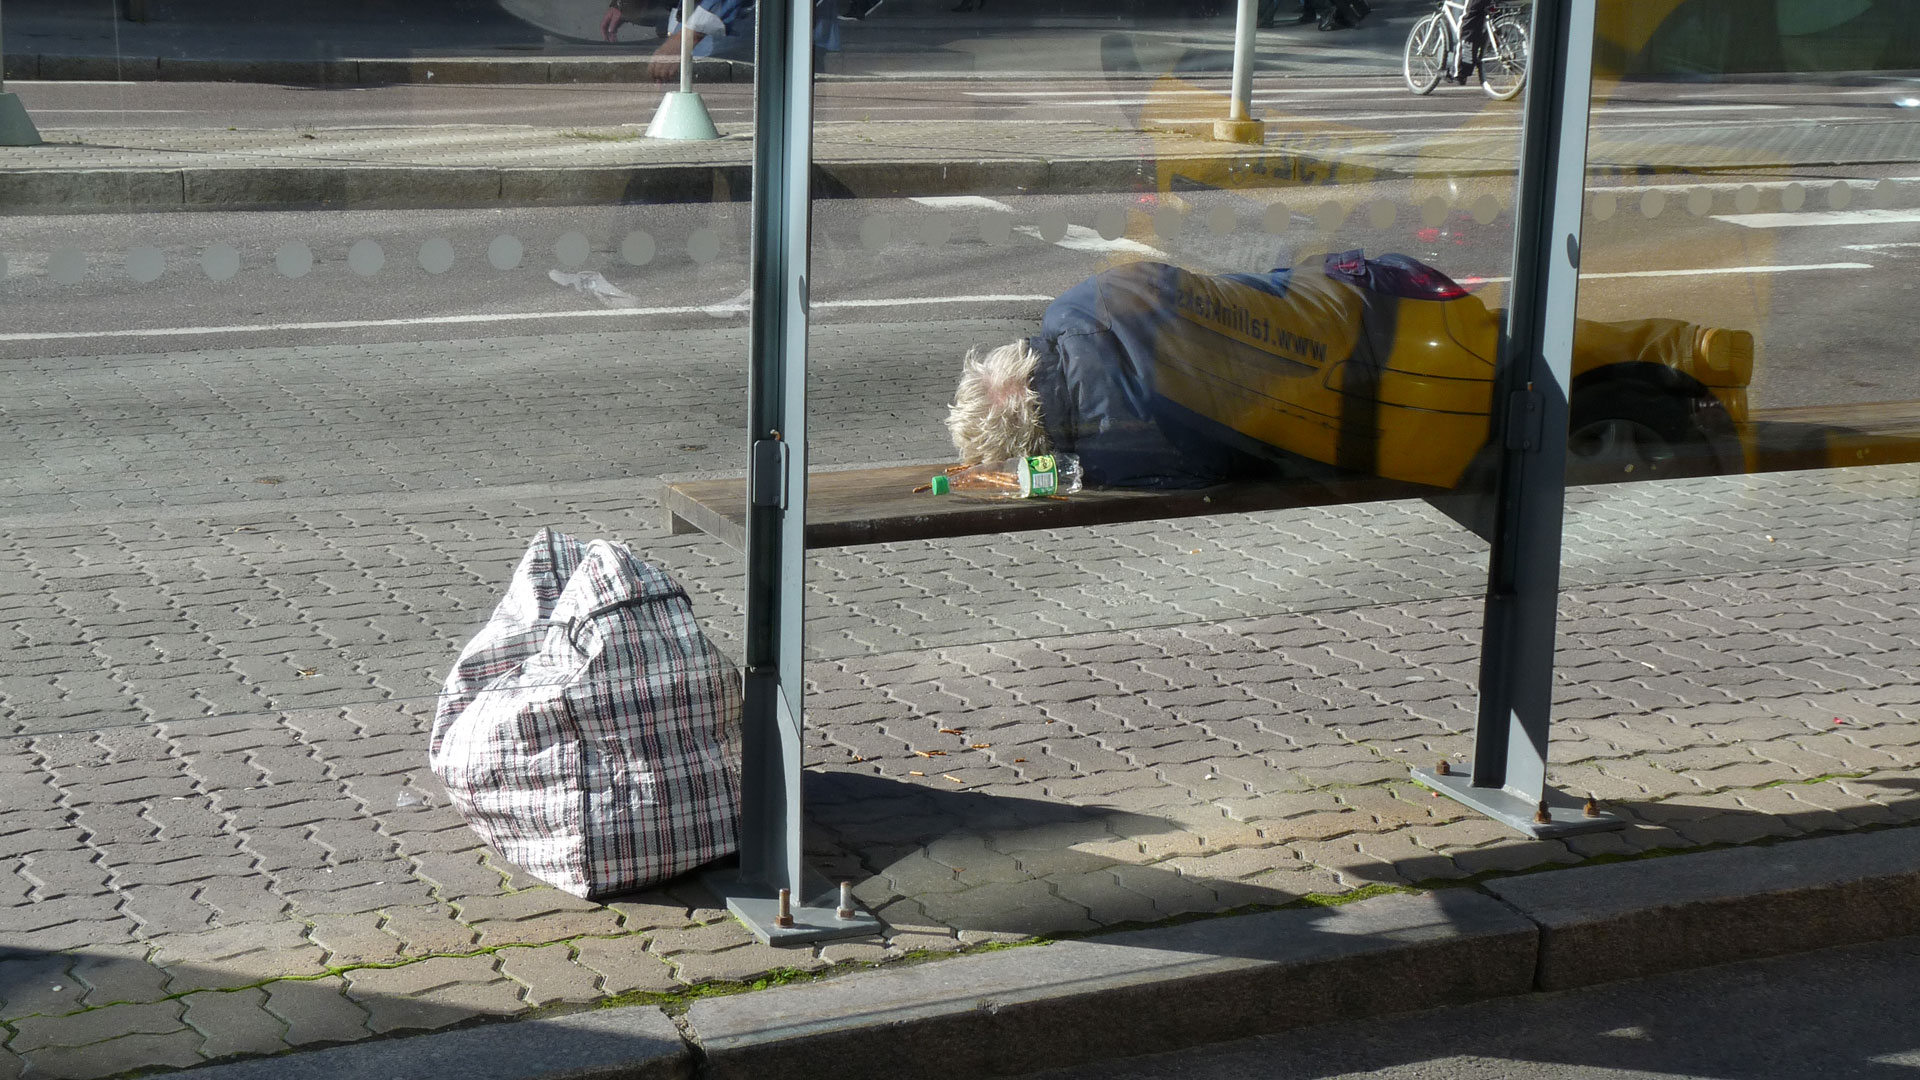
x=1208 y=981
x=1630 y=920
x=638 y=1043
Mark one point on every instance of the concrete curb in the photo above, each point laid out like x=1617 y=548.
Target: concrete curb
x=405 y=187
x=628 y=1044
x=1026 y=1009
x=1630 y=920
x=368 y=71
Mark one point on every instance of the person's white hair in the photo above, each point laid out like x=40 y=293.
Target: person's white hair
x=995 y=413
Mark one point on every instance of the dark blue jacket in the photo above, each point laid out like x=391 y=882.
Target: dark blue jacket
x=1097 y=346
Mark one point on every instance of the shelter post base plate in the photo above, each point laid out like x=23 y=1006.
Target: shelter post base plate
x=1567 y=814
x=815 y=918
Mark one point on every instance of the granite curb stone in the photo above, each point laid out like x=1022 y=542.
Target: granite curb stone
x=362 y=71
x=1032 y=1008
x=1629 y=920
x=1021 y=1010
x=632 y=1044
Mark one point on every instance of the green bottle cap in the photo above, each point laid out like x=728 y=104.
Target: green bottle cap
x=940 y=485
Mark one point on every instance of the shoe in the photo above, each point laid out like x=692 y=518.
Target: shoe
x=1336 y=21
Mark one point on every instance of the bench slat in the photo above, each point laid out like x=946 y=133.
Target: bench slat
x=878 y=506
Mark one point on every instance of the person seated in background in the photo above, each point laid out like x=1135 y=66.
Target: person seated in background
x=1161 y=378
x=722 y=28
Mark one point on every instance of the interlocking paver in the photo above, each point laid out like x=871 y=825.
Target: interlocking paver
x=625 y=966
x=459 y=874
x=549 y=974
x=114 y=973
x=1027 y=907
x=83 y=1029
x=316 y=1011
x=115 y=1056
x=440 y=1006
x=355 y=939
x=1107 y=901
x=237 y=956
x=235 y=1022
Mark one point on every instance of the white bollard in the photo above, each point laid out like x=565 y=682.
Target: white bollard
x=1240 y=126
x=682 y=115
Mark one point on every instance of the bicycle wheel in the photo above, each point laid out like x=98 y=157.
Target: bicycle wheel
x=1426 y=58
x=1503 y=66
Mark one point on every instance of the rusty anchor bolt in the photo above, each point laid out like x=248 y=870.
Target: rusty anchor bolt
x=1443 y=769
x=845 y=910
x=1592 y=809
x=1541 y=816
x=784 y=918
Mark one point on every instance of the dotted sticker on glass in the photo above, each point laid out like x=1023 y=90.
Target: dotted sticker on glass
x=505 y=252
x=220 y=262
x=366 y=258
x=572 y=249
x=637 y=248
x=67 y=266
x=293 y=260
x=436 y=256
x=703 y=245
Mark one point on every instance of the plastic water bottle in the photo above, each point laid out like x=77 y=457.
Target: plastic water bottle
x=1035 y=477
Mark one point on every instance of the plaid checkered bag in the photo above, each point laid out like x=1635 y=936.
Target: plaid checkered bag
x=590 y=731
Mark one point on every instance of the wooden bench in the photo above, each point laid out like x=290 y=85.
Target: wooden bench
x=878 y=505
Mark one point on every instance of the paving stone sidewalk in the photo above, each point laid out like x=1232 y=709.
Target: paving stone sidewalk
x=218 y=837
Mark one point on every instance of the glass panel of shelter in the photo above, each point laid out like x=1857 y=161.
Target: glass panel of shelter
x=1274 y=362
x=308 y=335
x=1751 y=178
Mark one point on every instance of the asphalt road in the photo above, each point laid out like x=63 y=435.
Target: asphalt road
x=1841 y=1014
x=1822 y=274
x=1830 y=303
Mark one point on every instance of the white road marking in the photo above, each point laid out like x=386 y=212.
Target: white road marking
x=1702 y=272
x=501 y=317
x=1081 y=238
x=1608 y=110
x=1807 y=267
x=1078 y=238
x=1827 y=217
x=962 y=202
x=1758 y=185
x=1179 y=93
x=1897 y=250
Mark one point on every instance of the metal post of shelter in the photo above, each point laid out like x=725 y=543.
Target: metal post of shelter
x=16 y=127
x=1507 y=777
x=770 y=802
